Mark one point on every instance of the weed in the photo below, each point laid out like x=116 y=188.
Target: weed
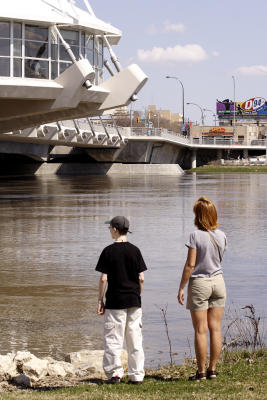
x=244 y=330
x=164 y=316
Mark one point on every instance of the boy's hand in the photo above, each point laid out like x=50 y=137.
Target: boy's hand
x=101 y=307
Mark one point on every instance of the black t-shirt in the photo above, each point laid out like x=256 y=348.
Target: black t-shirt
x=122 y=262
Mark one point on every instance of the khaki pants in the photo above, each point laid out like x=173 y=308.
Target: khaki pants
x=119 y=325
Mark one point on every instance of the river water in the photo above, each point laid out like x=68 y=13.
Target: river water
x=52 y=232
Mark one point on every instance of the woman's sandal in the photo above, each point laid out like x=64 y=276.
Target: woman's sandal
x=200 y=376
x=212 y=374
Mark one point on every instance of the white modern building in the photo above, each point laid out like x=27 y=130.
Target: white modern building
x=52 y=64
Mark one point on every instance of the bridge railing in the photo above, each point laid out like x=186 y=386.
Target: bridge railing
x=228 y=141
x=135 y=131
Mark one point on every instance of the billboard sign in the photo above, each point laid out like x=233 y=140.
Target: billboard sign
x=256 y=106
x=217 y=131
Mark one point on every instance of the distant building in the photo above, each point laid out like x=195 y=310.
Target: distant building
x=120 y=112
x=165 y=118
x=241 y=133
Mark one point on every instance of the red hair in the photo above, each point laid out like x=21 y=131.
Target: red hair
x=205 y=214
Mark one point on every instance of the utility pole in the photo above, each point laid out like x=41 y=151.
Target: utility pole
x=181 y=83
x=234 y=124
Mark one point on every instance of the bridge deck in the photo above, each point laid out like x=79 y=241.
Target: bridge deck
x=216 y=143
x=101 y=133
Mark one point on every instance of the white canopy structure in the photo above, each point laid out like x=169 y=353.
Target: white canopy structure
x=59 y=12
x=52 y=64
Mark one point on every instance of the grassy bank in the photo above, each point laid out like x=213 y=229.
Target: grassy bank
x=241 y=376
x=227 y=169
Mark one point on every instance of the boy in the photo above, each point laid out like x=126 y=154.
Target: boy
x=121 y=265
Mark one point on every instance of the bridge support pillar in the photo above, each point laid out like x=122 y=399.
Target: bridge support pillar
x=194 y=158
x=219 y=154
x=245 y=153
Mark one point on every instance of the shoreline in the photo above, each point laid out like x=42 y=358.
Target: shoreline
x=229 y=169
x=242 y=374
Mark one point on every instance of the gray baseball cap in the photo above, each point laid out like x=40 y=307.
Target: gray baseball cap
x=119 y=222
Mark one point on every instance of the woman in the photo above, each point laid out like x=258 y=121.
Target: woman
x=206 y=289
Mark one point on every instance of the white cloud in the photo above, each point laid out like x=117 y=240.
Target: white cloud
x=187 y=53
x=253 y=70
x=215 y=54
x=170 y=27
x=167 y=27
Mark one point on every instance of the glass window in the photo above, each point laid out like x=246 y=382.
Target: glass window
x=4 y=66
x=36 y=33
x=89 y=41
x=95 y=58
x=100 y=46
x=36 y=49
x=54 y=51
x=71 y=37
x=100 y=60
x=17 y=48
x=96 y=77
x=17 y=67
x=82 y=39
x=101 y=76
x=63 y=55
x=63 y=67
x=4 y=29
x=36 y=62
x=4 y=47
x=88 y=52
x=17 y=32
x=36 y=69
x=54 y=69
x=76 y=51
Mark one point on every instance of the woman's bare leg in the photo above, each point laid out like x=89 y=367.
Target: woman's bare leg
x=214 y=324
x=200 y=324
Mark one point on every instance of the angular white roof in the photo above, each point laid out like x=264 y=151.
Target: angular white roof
x=61 y=12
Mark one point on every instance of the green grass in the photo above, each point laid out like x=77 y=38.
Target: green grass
x=228 y=169
x=241 y=377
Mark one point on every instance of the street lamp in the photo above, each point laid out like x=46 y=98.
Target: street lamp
x=157 y=115
x=214 y=116
x=201 y=109
x=234 y=128
x=177 y=79
x=131 y=117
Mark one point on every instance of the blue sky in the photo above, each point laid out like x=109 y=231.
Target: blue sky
x=202 y=42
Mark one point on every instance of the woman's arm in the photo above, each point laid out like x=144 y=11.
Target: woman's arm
x=101 y=291
x=187 y=272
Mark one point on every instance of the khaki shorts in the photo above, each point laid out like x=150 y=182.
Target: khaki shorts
x=205 y=293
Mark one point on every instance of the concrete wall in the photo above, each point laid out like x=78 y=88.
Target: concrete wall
x=79 y=169
x=31 y=159
x=145 y=169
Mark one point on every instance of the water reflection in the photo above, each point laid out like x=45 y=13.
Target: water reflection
x=52 y=232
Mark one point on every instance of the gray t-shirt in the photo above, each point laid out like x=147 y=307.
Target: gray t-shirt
x=208 y=260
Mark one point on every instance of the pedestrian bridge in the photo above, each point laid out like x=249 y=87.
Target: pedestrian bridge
x=104 y=132
x=104 y=141
x=195 y=143
x=241 y=148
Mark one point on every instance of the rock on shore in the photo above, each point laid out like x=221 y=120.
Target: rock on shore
x=25 y=369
